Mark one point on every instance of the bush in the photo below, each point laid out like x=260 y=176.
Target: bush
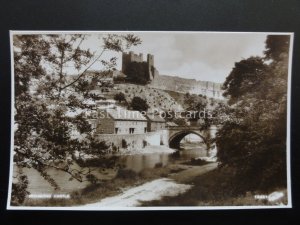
x=126 y=174
x=105 y=162
x=19 y=190
x=139 y=104
x=144 y=143
x=120 y=97
x=198 y=162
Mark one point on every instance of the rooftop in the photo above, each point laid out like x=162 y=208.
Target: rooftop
x=155 y=118
x=171 y=124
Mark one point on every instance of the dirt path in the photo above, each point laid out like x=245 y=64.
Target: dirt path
x=155 y=189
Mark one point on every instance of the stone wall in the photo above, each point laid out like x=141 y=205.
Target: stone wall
x=183 y=85
x=105 y=126
x=129 y=58
x=124 y=126
x=135 y=141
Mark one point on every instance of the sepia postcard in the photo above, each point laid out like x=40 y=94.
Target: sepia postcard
x=116 y=120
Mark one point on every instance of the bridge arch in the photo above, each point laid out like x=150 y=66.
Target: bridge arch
x=174 y=140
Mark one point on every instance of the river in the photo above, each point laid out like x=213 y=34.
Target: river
x=135 y=162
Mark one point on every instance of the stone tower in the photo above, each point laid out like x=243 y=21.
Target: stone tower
x=130 y=57
x=151 y=69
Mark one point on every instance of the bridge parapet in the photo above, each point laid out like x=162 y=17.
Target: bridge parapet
x=176 y=134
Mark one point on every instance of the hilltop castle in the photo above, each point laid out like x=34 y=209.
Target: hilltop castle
x=172 y=83
x=128 y=58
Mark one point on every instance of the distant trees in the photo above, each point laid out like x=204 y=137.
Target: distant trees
x=54 y=101
x=253 y=140
x=139 y=104
x=196 y=103
x=193 y=102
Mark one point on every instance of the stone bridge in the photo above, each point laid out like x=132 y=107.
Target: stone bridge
x=176 y=134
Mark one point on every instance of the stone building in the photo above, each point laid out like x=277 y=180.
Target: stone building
x=155 y=123
x=120 y=121
x=130 y=57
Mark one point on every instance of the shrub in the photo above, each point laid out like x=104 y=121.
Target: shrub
x=139 y=104
x=124 y=143
x=126 y=174
x=120 y=97
x=19 y=190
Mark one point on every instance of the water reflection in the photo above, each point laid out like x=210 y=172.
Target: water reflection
x=137 y=163
x=140 y=162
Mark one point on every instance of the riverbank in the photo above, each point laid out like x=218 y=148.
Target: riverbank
x=152 y=190
x=214 y=189
x=157 y=189
x=139 y=168
x=127 y=180
x=150 y=149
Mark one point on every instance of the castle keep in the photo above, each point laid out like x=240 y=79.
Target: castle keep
x=172 y=83
x=131 y=57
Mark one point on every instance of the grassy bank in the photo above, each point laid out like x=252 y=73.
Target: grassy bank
x=215 y=188
x=211 y=187
x=95 y=192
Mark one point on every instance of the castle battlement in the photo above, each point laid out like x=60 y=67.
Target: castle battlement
x=131 y=57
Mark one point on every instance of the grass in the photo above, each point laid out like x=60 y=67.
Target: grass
x=215 y=189
x=95 y=192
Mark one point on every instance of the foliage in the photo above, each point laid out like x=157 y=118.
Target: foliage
x=244 y=77
x=19 y=190
x=193 y=102
x=276 y=45
x=139 y=104
x=253 y=139
x=50 y=104
x=120 y=97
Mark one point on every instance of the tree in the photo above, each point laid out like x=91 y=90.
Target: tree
x=139 y=104
x=276 y=45
x=244 y=78
x=253 y=143
x=193 y=102
x=120 y=97
x=54 y=100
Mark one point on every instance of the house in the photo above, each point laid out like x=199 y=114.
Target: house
x=92 y=115
x=155 y=122
x=120 y=121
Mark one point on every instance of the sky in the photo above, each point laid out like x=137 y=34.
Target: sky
x=194 y=55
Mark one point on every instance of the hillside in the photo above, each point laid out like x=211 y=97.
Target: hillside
x=180 y=99
x=183 y=85
x=156 y=99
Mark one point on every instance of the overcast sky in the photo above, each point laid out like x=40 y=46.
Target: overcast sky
x=202 y=56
